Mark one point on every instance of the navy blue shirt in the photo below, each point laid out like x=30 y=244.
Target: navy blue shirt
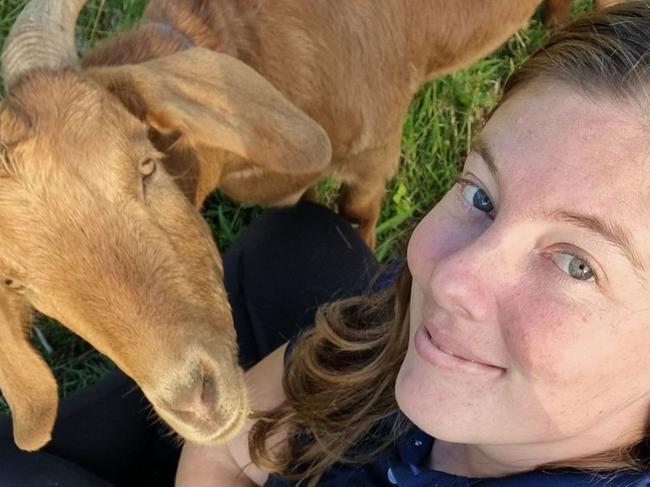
x=404 y=466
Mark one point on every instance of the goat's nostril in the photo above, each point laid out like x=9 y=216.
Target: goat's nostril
x=199 y=398
x=208 y=394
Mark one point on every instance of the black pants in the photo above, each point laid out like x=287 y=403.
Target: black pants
x=281 y=268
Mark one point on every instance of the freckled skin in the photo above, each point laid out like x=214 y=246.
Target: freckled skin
x=574 y=352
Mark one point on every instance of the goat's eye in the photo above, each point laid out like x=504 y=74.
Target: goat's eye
x=147 y=167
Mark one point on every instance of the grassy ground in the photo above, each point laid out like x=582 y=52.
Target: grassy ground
x=441 y=122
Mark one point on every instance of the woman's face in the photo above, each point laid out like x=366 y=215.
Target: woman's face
x=530 y=305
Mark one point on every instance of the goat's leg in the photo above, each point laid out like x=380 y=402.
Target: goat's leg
x=555 y=12
x=310 y=195
x=362 y=192
x=598 y=4
x=360 y=204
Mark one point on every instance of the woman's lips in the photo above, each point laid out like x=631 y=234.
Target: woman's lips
x=445 y=356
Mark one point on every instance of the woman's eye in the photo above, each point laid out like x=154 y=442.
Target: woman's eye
x=574 y=266
x=478 y=198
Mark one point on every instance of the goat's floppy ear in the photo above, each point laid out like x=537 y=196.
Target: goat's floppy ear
x=216 y=101
x=25 y=379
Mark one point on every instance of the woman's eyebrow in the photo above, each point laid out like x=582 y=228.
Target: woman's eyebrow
x=480 y=147
x=605 y=228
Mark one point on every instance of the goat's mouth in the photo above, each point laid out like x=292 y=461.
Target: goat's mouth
x=217 y=428
x=207 y=407
x=222 y=432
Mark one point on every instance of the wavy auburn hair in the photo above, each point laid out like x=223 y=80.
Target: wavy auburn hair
x=340 y=377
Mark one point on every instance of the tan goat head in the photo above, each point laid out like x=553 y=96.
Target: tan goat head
x=97 y=234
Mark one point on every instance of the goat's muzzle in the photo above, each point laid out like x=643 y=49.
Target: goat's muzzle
x=206 y=403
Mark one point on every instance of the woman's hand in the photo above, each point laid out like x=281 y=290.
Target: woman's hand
x=229 y=464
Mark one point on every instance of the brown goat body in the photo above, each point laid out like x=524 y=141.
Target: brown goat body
x=353 y=67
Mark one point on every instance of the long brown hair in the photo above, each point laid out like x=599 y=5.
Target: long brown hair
x=339 y=380
x=340 y=377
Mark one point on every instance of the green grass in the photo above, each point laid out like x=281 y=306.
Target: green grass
x=443 y=118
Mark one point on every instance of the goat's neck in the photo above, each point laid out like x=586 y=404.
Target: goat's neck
x=148 y=41
x=442 y=37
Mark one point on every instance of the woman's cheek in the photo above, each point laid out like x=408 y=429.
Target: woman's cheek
x=539 y=329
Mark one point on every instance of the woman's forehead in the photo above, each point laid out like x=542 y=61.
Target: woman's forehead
x=551 y=137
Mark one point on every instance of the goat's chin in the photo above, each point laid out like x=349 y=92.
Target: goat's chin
x=207 y=430
x=226 y=433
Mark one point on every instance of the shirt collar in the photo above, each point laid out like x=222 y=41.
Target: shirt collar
x=407 y=468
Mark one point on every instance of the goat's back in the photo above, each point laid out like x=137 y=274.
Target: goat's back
x=341 y=62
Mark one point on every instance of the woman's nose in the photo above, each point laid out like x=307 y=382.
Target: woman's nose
x=465 y=282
